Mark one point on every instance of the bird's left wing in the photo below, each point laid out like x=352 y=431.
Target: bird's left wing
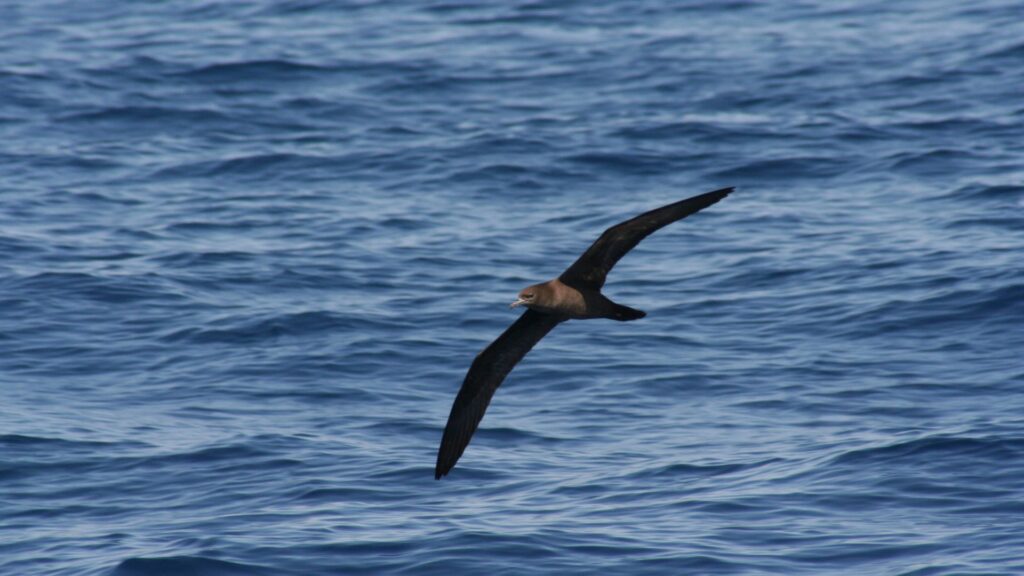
x=589 y=271
x=485 y=375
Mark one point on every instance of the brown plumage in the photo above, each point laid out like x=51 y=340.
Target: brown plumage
x=574 y=294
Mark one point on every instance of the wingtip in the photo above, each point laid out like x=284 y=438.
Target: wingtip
x=716 y=195
x=444 y=463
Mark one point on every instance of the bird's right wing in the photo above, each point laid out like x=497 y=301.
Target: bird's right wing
x=589 y=271
x=485 y=375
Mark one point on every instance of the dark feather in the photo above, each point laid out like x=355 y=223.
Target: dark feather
x=589 y=271
x=485 y=375
x=587 y=275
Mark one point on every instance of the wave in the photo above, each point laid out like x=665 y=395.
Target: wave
x=682 y=470
x=631 y=163
x=936 y=162
x=148 y=114
x=100 y=288
x=931 y=447
x=12 y=441
x=987 y=192
x=277 y=166
x=786 y=169
x=252 y=70
x=964 y=307
x=1013 y=51
x=681 y=130
x=254 y=330
x=280 y=70
x=193 y=565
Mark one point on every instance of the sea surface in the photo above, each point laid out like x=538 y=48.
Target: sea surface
x=248 y=250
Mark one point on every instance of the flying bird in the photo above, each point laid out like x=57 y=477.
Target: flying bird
x=576 y=294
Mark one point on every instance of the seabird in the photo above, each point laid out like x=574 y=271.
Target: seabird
x=576 y=294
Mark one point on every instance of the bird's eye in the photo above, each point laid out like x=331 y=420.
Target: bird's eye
x=528 y=296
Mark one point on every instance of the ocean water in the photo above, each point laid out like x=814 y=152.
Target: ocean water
x=249 y=249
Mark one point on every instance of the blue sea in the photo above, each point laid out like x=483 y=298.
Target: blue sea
x=248 y=250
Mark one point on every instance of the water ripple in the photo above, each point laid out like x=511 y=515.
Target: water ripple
x=248 y=250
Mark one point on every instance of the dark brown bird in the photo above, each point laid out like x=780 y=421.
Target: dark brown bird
x=574 y=294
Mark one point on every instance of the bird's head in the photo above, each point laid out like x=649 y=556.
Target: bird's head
x=531 y=296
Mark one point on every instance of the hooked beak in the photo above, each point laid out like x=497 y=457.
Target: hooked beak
x=518 y=302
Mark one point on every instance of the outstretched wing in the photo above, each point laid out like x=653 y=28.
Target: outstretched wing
x=590 y=270
x=485 y=375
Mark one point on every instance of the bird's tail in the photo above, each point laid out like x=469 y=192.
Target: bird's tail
x=625 y=313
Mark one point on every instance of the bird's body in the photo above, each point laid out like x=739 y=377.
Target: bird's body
x=556 y=297
x=575 y=294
